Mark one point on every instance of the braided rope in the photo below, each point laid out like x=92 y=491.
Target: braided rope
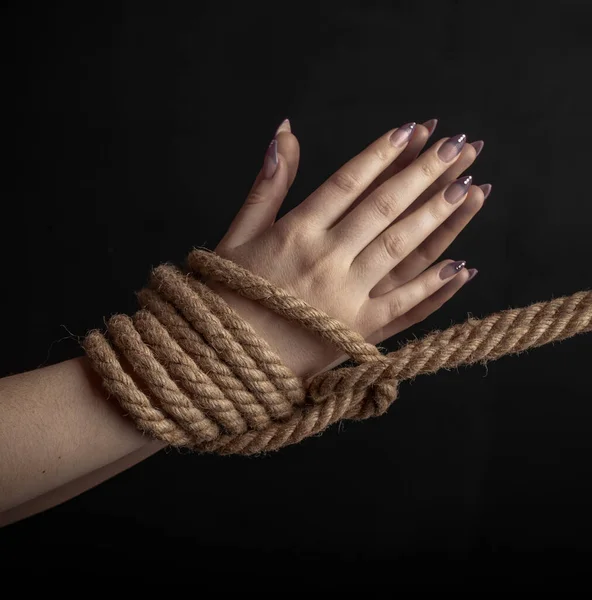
x=203 y=378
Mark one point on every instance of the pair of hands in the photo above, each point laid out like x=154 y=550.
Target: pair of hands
x=361 y=247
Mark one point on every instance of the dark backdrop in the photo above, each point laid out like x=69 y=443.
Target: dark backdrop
x=139 y=132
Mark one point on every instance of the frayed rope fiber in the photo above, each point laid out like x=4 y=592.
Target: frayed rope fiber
x=203 y=378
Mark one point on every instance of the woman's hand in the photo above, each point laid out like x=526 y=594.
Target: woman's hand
x=361 y=247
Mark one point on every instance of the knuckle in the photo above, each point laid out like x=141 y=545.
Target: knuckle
x=256 y=197
x=286 y=234
x=429 y=170
x=382 y=155
x=309 y=269
x=423 y=255
x=427 y=288
x=383 y=205
x=436 y=210
x=394 y=246
x=395 y=307
x=345 y=181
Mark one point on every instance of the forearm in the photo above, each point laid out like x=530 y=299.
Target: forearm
x=57 y=426
x=77 y=486
x=60 y=434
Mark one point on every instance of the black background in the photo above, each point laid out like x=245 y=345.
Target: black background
x=140 y=129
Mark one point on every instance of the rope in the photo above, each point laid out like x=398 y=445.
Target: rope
x=191 y=372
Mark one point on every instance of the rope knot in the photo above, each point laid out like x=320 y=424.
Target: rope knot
x=193 y=373
x=364 y=391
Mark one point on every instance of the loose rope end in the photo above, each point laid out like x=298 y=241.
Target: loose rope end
x=198 y=376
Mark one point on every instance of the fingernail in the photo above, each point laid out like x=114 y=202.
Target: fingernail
x=472 y=273
x=452 y=147
x=401 y=136
x=457 y=189
x=486 y=187
x=271 y=160
x=284 y=126
x=478 y=146
x=431 y=126
x=452 y=269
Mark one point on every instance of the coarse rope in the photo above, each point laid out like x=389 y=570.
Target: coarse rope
x=203 y=378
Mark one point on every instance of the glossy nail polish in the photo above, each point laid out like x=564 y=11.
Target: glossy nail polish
x=486 y=187
x=401 y=136
x=430 y=126
x=452 y=269
x=472 y=273
x=452 y=147
x=457 y=189
x=271 y=160
x=478 y=146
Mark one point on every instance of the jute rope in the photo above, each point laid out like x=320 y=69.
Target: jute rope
x=191 y=372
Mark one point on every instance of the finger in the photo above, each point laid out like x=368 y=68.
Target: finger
x=259 y=211
x=394 y=304
x=418 y=140
x=327 y=204
x=424 y=309
x=382 y=207
x=399 y=240
x=467 y=157
x=416 y=144
x=435 y=244
x=289 y=148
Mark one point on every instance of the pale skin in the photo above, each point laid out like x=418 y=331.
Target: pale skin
x=364 y=248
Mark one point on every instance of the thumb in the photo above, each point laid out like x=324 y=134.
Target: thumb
x=265 y=198
x=289 y=148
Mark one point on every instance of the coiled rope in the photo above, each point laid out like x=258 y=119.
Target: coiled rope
x=202 y=378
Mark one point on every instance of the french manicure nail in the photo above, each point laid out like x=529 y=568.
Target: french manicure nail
x=478 y=146
x=472 y=273
x=486 y=187
x=271 y=160
x=430 y=126
x=452 y=147
x=401 y=136
x=284 y=126
x=452 y=269
x=457 y=189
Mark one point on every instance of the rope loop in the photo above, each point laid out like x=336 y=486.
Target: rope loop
x=193 y=373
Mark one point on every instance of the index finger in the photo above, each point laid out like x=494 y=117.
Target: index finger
x=329 y=201
x=416 y=144
x=386 y=203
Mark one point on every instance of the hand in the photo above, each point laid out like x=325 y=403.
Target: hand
x=361 y=247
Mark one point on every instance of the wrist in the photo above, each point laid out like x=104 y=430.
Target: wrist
x=303 y=352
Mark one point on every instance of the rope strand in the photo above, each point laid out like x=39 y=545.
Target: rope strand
x=194 y=374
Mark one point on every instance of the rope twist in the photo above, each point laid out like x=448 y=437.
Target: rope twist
x=193 y=373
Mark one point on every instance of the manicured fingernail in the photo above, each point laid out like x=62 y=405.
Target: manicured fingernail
x=452 y=147
x=271 y=160
x=457 y=189
x=430 y=126
x=284 y=126
x=401 y=136
x=486 y=187
x=452 y=269
x=472 y=273
x=478 y=146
